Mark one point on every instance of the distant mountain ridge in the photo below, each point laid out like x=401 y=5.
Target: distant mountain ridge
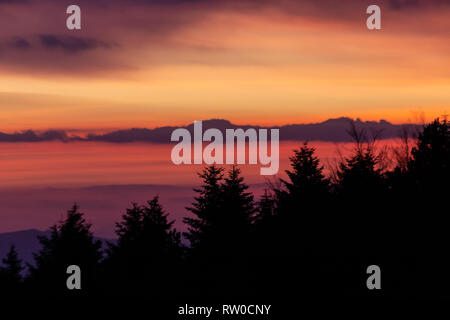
x=332 y=130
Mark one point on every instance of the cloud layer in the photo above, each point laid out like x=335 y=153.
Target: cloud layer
x=136 y=34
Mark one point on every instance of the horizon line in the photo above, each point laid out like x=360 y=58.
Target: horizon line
x=181 y=125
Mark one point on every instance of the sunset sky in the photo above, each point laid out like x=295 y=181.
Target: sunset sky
x=149 y=63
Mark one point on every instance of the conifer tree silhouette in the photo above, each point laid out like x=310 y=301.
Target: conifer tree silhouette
x=148 y=251
x=71 y=242
x=206 y=210
x=291 y=227
x=238 y=209
x=220 y=231
x=426 y=186
x=361 y=190
x=304 y=196
x=306 y=176
x=430 y=159
x=300 y=201
x=427 y=170
x=361 y=175
x=223 y=207
x=10 y=274
x=266 y=207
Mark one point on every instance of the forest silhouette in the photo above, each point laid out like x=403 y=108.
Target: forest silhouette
x=311 y=234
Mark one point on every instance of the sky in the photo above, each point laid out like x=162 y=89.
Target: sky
x=151 y=63
x=147 y=63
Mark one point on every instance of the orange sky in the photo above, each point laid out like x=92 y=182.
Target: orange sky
x=158 y=65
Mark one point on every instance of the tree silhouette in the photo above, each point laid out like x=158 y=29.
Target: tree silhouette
x=10 y=273
x=238 y=210
x=306 y=176
x=71 y=242
x=291 y=227
x=361 y=175
x=430 y=161
x=426 y=185
x=366 y=212
x=223 y=206
x=266 y=207
x=220 y=231
x=305 y=191
x=147 y=253
x=205 y=210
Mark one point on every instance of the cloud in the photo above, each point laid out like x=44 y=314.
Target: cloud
x=404 y=4
x=13 y=1
x=48 y=53
x=19 y=43
x=66 y=43
x=152 y=32
x=71 y=44
x=31 y=136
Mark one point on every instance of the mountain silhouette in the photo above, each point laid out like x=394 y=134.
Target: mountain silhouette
x=332 y=130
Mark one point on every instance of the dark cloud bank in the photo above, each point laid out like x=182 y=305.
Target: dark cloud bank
x=333 y=130
x=66 y=43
